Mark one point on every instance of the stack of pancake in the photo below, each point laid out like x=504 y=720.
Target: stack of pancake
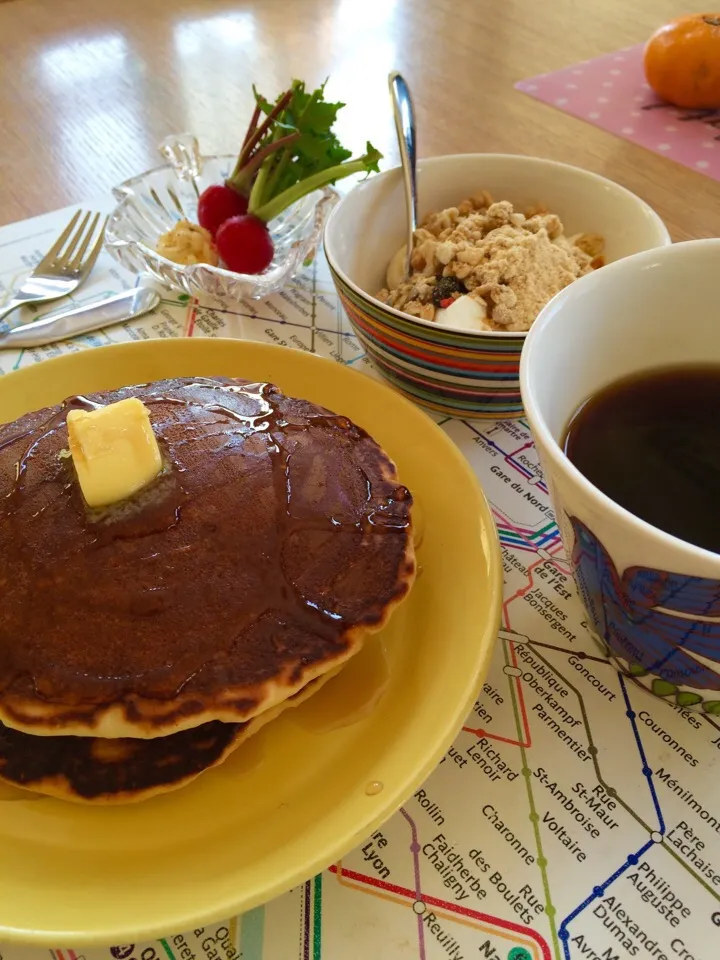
x=141 y=643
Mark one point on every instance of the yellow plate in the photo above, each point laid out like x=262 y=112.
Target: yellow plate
x=315 y=782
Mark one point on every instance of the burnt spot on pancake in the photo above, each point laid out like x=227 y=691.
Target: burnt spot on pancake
x=91 y=768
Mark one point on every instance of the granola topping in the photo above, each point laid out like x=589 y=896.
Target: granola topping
x=510 y=263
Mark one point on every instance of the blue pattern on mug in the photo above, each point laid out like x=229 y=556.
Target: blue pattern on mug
x=645 y=615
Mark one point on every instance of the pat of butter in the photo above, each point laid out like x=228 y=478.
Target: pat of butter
x=114 y=451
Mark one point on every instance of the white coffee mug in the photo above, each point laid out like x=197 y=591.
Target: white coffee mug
x=653 y=600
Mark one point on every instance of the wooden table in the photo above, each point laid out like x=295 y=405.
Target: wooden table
x=91 y=86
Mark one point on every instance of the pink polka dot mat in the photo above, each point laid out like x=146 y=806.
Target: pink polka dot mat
x=610 y=92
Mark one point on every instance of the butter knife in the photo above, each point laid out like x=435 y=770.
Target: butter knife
x=90 y=316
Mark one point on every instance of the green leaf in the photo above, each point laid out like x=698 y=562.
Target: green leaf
x=314 y=157
x=264 y=104
x=372 y=158
x=318 y=148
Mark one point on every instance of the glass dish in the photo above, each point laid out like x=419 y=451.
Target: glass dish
x=151 y=203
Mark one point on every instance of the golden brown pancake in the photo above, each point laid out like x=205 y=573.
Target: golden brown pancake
x=103 y=771
x=277 y=537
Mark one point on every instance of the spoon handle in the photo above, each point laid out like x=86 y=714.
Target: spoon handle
x=405 y=126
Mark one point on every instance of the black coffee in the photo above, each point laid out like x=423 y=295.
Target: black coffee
x=651 y=442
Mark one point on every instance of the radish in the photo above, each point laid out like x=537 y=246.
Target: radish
x=217 y=204
x=245 y=245
x=289 y=150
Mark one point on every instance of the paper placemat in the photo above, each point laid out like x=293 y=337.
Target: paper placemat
x=610 y=92
x=575 y=817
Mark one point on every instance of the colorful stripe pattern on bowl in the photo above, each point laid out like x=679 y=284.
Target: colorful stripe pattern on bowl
x=458 y=374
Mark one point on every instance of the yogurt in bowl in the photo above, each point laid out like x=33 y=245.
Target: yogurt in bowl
x=457 y=368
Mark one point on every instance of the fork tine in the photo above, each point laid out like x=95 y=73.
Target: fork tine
x=77 y=259
x=59 y=243
x=61 y=261
x=89 y=263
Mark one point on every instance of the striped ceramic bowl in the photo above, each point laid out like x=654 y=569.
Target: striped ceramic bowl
x=456 y=372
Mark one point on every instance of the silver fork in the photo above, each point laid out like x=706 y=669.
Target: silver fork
x=66 y=265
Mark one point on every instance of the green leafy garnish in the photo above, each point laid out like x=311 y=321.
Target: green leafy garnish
x=290 y=150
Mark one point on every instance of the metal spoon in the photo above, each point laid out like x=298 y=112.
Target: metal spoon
x=405 y=127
